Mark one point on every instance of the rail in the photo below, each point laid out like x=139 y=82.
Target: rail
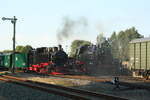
x=72 y=93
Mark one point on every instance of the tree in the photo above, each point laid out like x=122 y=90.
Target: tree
x=23 y=49
x=7 y=51
x=19 y=48
x=119 y=43
x=76 y=44
x=113 y=40
x=27 y=48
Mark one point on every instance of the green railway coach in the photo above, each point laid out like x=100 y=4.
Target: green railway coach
x=1 y=60
x=21 y=60
x=139 y=53
x=5 y=60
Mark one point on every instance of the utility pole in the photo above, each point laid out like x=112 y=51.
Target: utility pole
x=13 y=21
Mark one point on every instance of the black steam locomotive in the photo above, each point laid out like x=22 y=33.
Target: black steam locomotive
x=54 y=61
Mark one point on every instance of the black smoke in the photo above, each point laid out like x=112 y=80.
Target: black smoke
x=70 y=27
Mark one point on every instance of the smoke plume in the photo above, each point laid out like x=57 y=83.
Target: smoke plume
x=70 y=27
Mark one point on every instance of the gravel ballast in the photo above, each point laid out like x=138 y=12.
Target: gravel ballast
x=9 y=91
x=101 y=87
x=124 y=92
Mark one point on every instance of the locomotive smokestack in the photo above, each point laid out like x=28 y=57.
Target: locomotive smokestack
x=60 y=47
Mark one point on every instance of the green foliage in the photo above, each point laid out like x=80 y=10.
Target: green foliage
x=23 y=49
x=114 y=45
x=7 y=51
x=19 y=48
x=77 y=43
x=27 y=48
x=119 y=43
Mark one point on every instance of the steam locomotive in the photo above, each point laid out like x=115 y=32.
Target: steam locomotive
x=45 y=60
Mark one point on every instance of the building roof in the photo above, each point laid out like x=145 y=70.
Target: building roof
x=140 y=40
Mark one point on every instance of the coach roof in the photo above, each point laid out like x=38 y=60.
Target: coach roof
x=140 y=40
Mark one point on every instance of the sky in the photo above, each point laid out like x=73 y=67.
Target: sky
x=39 y=21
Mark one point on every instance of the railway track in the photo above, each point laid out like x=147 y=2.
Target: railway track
x=90 y=78
x=109 y=80
x=99 y=79
x=72 y=93
x=135 y=86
